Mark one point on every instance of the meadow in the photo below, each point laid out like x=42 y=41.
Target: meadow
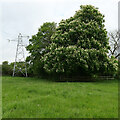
x=39 y=98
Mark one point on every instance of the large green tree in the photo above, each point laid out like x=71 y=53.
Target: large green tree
x=37 y=47
x=80 y=45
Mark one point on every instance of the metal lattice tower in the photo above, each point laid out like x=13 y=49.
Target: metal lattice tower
x=20 y=64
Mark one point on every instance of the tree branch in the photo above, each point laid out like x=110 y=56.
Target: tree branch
x=117 y=55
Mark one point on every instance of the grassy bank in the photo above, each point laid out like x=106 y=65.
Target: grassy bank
x=37 y=98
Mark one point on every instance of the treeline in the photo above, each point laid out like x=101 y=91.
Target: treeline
x=7 y=68
x=78 y=46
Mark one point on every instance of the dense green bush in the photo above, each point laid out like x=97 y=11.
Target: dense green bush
x=80 y=45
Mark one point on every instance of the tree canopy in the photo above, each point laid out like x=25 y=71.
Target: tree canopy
x=37 y=47
x=80 y=45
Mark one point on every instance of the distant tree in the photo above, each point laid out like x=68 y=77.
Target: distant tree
x=37 y=47
x=5 y=63
x=19 y=69
x=114 y=43
x=6 y=68
x=0 y=70
x=80 y=45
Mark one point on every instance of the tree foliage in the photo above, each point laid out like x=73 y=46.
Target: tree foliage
x=7 y=69
x=37 y=47
x=80 y=45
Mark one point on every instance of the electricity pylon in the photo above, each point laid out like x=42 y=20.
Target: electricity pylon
x=20 y=63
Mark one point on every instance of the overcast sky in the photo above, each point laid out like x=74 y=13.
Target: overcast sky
x=26 y=16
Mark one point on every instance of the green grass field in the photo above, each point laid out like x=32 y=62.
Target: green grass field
x=37 y=98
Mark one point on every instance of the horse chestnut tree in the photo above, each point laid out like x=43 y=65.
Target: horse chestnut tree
x=80 y=45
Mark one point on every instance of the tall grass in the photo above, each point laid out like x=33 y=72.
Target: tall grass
x=38 y=98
